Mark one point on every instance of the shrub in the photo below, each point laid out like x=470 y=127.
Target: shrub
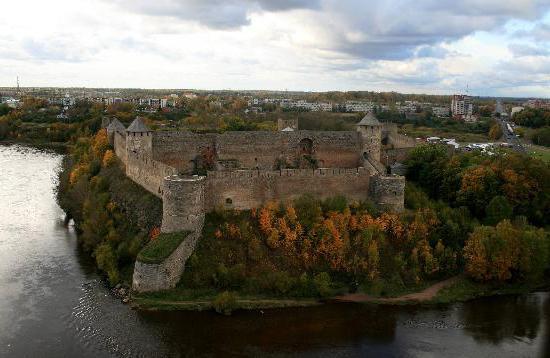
x=323 y=284
x=308 y=210
x=336 y=203
x=106 y=261
x=225 y=302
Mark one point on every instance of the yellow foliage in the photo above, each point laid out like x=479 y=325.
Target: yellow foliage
x=108 y=158
x=77 y=172
x=100 y=143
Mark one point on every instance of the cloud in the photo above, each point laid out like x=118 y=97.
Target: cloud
x=216 y=14
x=430 y=46
x=55 y=50
x=540 y=32
x=522 y=50
x=396 y=29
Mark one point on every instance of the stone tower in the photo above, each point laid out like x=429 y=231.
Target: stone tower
x=183 y=203
x=370 y=130
x=139 y=138
x=114 y=127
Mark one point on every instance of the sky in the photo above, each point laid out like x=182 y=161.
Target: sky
x=490 y=47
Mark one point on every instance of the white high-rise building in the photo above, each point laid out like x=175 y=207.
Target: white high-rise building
x=462 y=107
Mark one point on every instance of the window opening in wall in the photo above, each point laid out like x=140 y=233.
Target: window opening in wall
x=229 y=201
x=306 y=146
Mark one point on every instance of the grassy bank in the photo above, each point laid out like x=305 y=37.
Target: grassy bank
x=202 y=301
x=465 y=290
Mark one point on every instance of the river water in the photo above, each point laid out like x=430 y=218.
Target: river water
x=54 y=304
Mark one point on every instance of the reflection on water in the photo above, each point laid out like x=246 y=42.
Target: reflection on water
x=498 y=318
x=52 y=303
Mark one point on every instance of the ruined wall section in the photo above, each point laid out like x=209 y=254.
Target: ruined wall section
x=394 y=140
x=392 y=156
x=261 y=149
x=246 y=189
x=166 y=275
x=179 y=149
x=257 y=149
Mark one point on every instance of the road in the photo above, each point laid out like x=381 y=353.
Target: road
x=510 y=138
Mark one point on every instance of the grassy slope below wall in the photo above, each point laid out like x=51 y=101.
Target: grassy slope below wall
x=112 y=214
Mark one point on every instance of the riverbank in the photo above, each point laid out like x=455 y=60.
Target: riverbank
x=451 y=290
x=58 y=147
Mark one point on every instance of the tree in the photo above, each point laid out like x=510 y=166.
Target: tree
x=542 y=136
x=495 y=132
x=506 y=252
x=498 y=209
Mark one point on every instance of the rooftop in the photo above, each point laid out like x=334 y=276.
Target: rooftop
x=369 y=120
x=115 y=126
x=138 y=126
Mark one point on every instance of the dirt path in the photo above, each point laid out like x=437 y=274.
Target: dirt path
x=426 y=295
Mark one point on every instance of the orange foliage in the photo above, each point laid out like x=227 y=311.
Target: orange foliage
x=100 y=143
x=108 y=158
x=154 y=234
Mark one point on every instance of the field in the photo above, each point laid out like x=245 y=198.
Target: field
x=539 y=152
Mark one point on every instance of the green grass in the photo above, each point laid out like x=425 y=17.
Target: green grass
x=203 y=299
x=159 y=249
x=539 y=152
x=465 y=289
x=460 y=136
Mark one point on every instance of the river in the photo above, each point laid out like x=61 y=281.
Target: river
x=54 y=304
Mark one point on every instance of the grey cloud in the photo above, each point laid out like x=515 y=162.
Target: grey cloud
x=400 y=29
x=432 y=51
x=217 y=14
x=387 y=30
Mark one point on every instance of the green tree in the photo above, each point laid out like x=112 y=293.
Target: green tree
x=542 y=136
x=498 y=209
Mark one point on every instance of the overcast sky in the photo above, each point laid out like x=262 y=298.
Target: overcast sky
x=495 y=47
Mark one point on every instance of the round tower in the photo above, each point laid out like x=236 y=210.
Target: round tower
x=370 y=130
x=183 y=203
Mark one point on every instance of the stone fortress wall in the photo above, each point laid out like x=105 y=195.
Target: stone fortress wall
x=163 y=163
x=258 y=149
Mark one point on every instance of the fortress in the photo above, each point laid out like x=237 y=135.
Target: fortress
x=195 y=173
